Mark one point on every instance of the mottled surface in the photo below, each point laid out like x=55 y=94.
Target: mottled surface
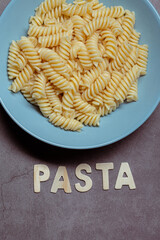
x=95 y=215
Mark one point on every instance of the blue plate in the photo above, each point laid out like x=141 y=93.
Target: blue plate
x=125 y=120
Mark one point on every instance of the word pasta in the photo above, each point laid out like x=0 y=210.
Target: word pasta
x=79 y=61
x=42 y=174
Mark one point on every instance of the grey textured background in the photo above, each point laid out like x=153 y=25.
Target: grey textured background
x=97 y=214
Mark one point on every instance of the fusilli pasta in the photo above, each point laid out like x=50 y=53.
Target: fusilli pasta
x=78 y=62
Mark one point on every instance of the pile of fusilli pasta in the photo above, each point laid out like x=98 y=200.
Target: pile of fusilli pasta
x=79 y=61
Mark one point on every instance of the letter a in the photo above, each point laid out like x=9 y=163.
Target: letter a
x=65 y=184
x=121 y=180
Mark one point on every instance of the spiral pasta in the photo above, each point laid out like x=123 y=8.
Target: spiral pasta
x=12 y=72
x=128 y=24
x=37 y=31
x=53 y=40
x=27 y=92
x=90 y=76
x=65 y=123
x=54 y=13
x=107 y=96
x=53 y=98
x=84 y=57
x=31 y=54
x=44 y=106
x=36 y=20
x=134 y=38
x=14 y=51
x=97 y=87
x=88 y=118
x=96 y=5
x=55 y=60
x=78 y=21
x=133 y=92
x=92 y=47
x=114 y=12
x=131 y=60
x=55 y=78
x=38 y=90
x=122 y=54
x=48 y=5
x=143 y=58
x=126 y=83
x=22 y=78
x=20 y=62
x=65 y=47
x=81 y=10
x=79 y=61
x=82 y=106
x=102 y=23
x=110 y=43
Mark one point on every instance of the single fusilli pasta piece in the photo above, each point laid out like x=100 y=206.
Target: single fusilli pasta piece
x=14 y=51
x=44 y=106
x=55 y=78
x=27 y=92
x=92 y=47
x=48 y=5
x=54 y=13
x=38 y=90
x=22 y=78
x=53 y=98
x=55 y=61
x=12 y=72
x=74 y=82
x=84 y=57
x=122 y=54
x=143 y=58
x=90 y=76
x=96 y=87
x=20 y=61
x=79 y=35
x=82 y=106
x=102 y=23
x=88 y=119
x=36 y=20
x=67 y=100
x=131 y=60
x=80 y=10
x=110 y=43
x=64 y=48
x=107 y=96
x=65 y=123
x=134 y=38
x=38 y=31
x=126 y=83
x=133 y=92
x=53 y=40
x=31 y=54
x=127 y=26
x=115 y=12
